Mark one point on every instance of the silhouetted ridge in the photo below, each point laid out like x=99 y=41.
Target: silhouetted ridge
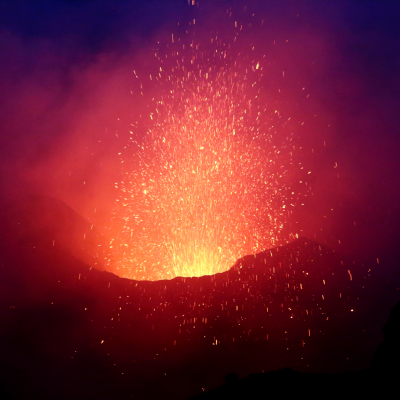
x=387 y=358
x=41 y=222
x=301 y=245
x=380 y=381
x=80 y=333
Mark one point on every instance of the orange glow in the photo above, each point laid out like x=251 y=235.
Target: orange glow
x=208 y=183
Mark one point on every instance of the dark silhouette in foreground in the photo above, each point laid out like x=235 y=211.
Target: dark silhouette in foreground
x=387 y=358
x=380 y=380
x=69 y=330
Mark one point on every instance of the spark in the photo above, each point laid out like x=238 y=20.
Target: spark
x=209 y=182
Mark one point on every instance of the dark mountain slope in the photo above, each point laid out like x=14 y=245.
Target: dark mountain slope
x=378 y=381
x=70 y=330
x=44 y=221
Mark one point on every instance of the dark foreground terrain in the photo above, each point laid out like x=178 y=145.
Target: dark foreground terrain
x=69 y=330
x=378 y=381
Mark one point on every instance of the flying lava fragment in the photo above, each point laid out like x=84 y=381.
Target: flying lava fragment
x=209 y=182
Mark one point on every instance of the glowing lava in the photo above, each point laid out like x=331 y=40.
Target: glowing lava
x=209 y=186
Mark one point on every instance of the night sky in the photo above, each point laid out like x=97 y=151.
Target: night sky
x=66 y=104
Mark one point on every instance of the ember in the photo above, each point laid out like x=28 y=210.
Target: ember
x=210 y=186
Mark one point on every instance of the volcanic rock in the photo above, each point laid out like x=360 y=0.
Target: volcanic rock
x=72 y=331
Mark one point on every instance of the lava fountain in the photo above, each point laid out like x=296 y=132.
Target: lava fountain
x=209 y=182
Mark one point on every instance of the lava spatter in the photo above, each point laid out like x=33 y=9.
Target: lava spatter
x=210 y=182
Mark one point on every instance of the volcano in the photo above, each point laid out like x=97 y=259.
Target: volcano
x=72 y=330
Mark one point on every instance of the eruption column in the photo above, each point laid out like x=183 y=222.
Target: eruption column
x=209 y=185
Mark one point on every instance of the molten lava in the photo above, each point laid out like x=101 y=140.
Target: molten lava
x=209 y=187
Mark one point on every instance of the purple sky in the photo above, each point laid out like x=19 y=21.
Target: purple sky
x=66 y=77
